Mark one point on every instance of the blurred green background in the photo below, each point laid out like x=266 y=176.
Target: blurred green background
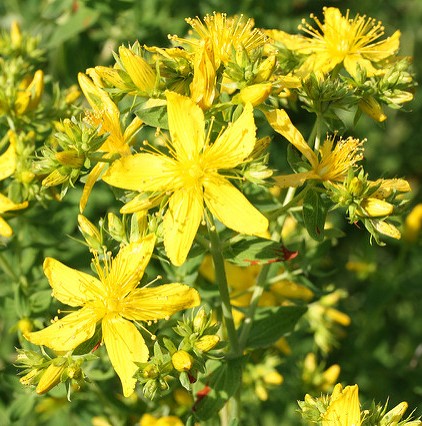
x=382 y=349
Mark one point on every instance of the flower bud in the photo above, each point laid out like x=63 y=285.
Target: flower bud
x=50 y=378
x=90 y=232
x=413 y=224
x=31 y=378
x=373 y=207
x=207 y=342
x=265 y=69
x=394 y=415
x=15 y=35
x=70 y=158
x=182 y=361
x=372 y=108
x=255 y=94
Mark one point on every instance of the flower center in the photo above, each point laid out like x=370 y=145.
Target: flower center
x=112 y=304
x=192 y=172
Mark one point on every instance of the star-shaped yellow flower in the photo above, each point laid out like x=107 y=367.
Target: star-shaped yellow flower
x=340 y=40
x=114 y=301
x=332 y=164
x=191 y=175
x=105 y=115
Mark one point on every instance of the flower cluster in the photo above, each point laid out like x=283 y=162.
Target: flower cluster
x=181 y=140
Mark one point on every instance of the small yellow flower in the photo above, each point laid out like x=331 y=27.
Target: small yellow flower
x=115 y=301
x=192 y=176
x=354 y=43
x=105 y=116
x=333 y=163
x=344 y=408
x=225 y=33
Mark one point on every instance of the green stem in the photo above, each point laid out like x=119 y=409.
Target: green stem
x=221 y=279
x=263 y=277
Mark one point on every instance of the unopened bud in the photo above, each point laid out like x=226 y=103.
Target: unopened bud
x=182 y=361
x=207 y=342
x=255 y=94
x=394 y=415
x=70 y=158
x=50 y=378
x=373 y=207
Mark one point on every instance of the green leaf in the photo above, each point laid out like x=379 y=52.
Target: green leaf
x=78 y=22
x=222 y=382
x=155 y=116
x=314 y=215
x=271 y=323
x=254 y=251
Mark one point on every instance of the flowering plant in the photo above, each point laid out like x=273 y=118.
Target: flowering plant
x=173 y=167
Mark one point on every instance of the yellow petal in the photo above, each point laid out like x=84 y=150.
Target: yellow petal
x=181 y=222
x=5 y=229
x=69 y=332
x=144 y=172
x=92 y=177
x=383 y=49
x=8 y=162
x=125 y=346
x=202 y=88
x=280 y=122
x=186 y=125
x=344 y=409
x=6 y=204
x=353 y=62
x=232 y=208
x=235 y=144
x=294 y=179
x=138 y=69
x=129 y=265
x=386 y=228
x=72 y=287
x=149 y=304
x=110 y=114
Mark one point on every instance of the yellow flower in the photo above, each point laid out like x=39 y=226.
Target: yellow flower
x=334 y=162
x=225 y=34
x=7 y=205
x=105 y=116
x=341 y=40
x=191 y=176
x=413 y=224
x=115 y=301
x=344 y=408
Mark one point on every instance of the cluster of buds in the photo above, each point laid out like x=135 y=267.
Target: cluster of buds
x=69 y=154
x=184 y=360
x=46 y=373
x=326 y=321
x=371 y=202
x=316 y=376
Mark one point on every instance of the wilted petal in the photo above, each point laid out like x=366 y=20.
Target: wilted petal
x=72 y=287
x=149 y=304
x=232 y=208
x=125 y=346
